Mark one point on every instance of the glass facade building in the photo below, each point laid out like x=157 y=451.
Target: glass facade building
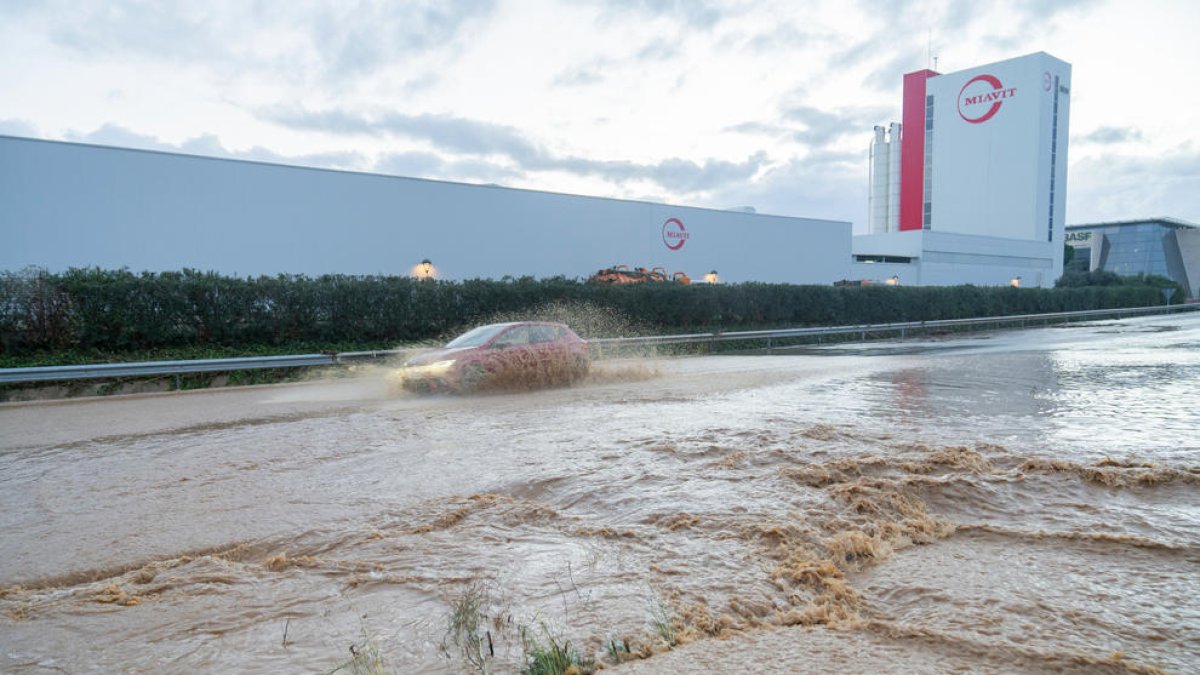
x=1162 y=246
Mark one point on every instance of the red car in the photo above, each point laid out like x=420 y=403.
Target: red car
x=501 y=355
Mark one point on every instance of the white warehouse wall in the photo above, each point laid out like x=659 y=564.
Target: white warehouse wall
x=73 y=205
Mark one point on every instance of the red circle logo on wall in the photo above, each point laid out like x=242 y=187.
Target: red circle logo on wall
x=980 y=98
x=674 y=234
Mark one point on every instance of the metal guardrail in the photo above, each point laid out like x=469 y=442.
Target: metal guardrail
x=150 y=368
x=901 y=328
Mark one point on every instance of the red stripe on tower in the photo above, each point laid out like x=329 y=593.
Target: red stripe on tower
x=912 y=151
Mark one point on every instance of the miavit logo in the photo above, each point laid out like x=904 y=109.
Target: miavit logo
x=981 y=97
x=674 y=234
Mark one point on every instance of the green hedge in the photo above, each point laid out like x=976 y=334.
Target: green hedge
x=119 y=311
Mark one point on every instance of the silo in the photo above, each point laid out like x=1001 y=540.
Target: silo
x=893 y=211
x=878 y=197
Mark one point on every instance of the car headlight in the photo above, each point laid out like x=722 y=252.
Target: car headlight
x=436 y=368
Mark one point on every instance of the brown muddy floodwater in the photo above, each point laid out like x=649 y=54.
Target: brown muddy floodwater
x=1026 y=501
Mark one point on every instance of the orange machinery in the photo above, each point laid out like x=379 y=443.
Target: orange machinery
x=622 y=274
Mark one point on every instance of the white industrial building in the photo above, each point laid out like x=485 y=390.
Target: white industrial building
x=970 y=187
x=73 y=205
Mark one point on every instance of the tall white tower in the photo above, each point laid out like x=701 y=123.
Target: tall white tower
x=893 y=216
x=877 y=206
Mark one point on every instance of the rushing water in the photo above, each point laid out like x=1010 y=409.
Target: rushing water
x=1017 y=501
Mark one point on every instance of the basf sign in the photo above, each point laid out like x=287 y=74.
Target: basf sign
x=997 y=144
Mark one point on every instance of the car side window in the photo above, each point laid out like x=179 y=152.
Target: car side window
x=517 y=335
x=543 y=333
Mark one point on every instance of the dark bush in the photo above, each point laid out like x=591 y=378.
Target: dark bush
x=117 y=311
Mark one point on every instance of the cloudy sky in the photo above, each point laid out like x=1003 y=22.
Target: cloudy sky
x=706 y=103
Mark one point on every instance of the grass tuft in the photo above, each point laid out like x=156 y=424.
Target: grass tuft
x=552 y=657
x=365 y=659
x=618 y=650
x=466 y=627
x=663 y=620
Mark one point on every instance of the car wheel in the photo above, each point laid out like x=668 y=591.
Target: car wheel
x=579 y=368
x=472 y=377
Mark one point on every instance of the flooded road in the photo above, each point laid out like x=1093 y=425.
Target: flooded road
x=1021 y=501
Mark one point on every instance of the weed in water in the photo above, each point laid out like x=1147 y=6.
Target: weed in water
x=617 y=650
x=466 y=627
x=552 y=657
x=664 y=620
x=365 y=659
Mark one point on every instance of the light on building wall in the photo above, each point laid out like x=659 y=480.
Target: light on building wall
x=894 y=281
x=424 y=270
x=712 y=278
x=1016 y=282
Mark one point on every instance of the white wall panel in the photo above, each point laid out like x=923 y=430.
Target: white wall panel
x=65 y=204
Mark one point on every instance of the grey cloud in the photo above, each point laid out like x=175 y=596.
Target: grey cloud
x=674 y=174
x=416 y=164
x=445 y=131
x=1116 y=187
x=1033 y=12
x=480 y=139
x=819 y=128
x=431 y=166
x=208 y=145
x=345 y=39
x=1110 y=136
x=758 y=128
x=18 y=128
x=855 y=54
x=365 y=35
x=1021 y=15
x=890 y=75
x=819 y=123
x=578 y=77
x=324 y=160
x=129 y=25
x=701 y=14
x=958 y=16
x=657 y=51
x=17 y=8
x=824 y=126
x=481 y=171
x=781 y=38
x=818 y=186
x=688 y=176
x=851 y=161
x=591 y=72
x=951 y=21
x=119 y=136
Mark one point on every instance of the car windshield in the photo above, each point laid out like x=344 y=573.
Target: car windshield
x=476 y=337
